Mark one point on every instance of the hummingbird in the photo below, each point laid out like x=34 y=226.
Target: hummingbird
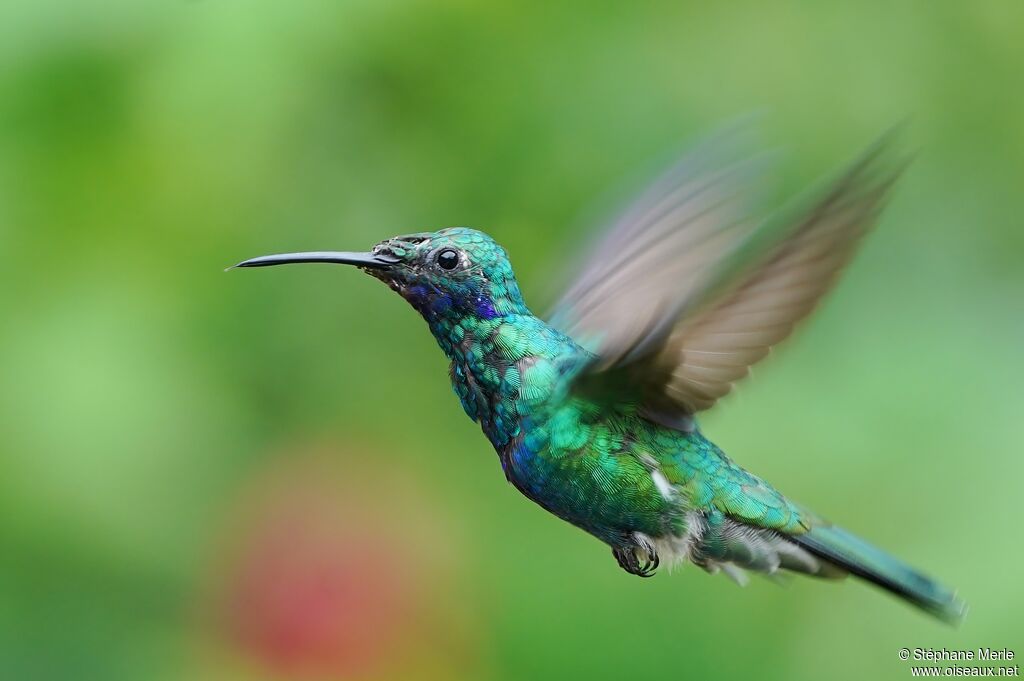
x=593 y=410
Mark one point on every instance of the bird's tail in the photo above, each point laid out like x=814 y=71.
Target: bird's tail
x=856 y=556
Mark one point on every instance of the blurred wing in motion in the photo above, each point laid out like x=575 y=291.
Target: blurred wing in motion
x=661 y=252
x=681 y=327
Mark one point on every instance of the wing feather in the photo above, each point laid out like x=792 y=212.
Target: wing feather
x=659 y=252
x=671 y=316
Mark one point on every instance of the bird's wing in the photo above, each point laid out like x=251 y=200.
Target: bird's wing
x=661 y=252
x=677 y=325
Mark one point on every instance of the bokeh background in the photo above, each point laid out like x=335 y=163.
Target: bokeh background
x=264 y=474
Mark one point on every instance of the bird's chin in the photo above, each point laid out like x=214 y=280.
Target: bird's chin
x=394 y=283
x=382 y=275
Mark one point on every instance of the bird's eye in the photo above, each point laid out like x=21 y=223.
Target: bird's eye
x=448 y=259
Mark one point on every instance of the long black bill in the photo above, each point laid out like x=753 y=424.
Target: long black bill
x=337 y=257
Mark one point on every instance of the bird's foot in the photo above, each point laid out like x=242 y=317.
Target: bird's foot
x=638 y=558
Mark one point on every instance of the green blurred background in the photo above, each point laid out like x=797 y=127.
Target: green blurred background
x=264 y=474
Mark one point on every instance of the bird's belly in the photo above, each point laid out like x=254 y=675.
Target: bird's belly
x=598 y=486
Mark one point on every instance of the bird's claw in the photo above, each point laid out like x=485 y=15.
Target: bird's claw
x=628 y=560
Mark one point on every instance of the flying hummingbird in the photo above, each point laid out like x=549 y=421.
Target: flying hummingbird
x=592 y=412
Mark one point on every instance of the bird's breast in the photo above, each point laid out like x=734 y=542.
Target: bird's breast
x=506 y=372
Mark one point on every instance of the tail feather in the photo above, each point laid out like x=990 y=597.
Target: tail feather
x=856 y=556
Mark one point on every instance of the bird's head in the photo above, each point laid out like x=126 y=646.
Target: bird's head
x=448 y=275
